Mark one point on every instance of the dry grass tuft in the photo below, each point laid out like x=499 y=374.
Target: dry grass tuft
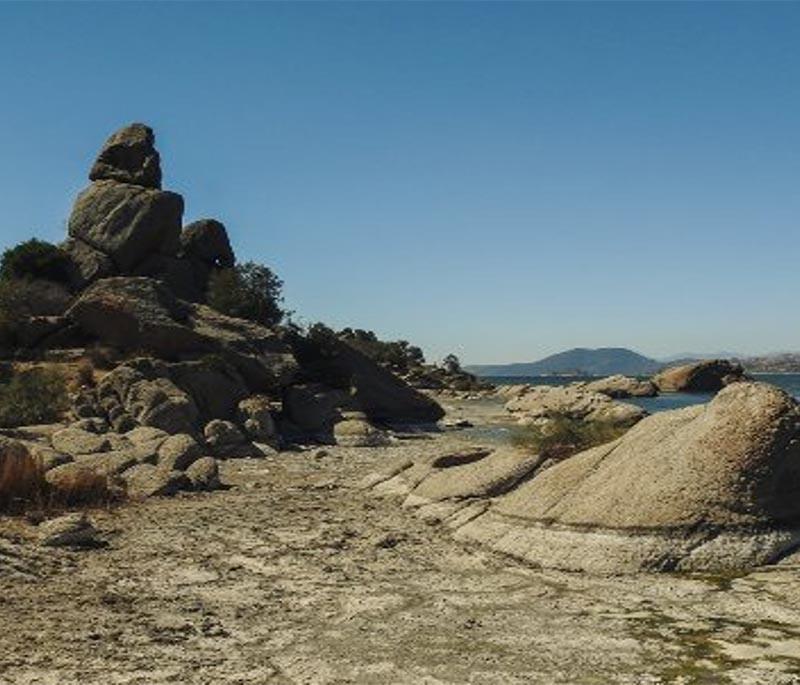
x=24 y=488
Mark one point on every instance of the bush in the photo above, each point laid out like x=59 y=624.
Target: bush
x=33 y=396
x=562 y=436
x=247 y=291
x=35 y=260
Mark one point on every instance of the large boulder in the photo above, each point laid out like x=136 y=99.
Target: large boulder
x=131 y=313
x=207 y=241
x=377 y=392
x=129 y=156
x=127 y=222
x=712 y=487
x=710 y=375
x=542 y=402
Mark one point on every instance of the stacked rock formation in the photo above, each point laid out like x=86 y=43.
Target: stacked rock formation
x=222 y=387
x=125 y=224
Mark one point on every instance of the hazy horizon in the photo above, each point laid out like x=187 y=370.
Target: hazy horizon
x=500 y=180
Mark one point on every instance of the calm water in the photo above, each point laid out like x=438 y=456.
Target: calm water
x=790 y=382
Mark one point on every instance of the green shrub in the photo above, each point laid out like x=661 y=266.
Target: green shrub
x=35 y=260
x=562 y=436
x=32 y=396
x=247 y=291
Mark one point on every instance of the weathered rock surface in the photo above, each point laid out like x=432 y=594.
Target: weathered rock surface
x=147 y=480
x=227 y=441
x=141 y=314
x=541 y=402
x=315 y=407
x=87 y=263
x=706 y=376
x=178 y=452
x=127 y=222
x=620 y=387
x=713 y=487
x=129 y=156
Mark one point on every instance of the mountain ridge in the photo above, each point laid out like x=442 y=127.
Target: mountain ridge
x=602 y=361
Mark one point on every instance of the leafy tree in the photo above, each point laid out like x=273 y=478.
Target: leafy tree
x=35 y=260
x=248 y=291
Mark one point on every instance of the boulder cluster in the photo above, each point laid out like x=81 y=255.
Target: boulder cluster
x=191 y=384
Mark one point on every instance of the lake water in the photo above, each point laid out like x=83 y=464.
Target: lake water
x=790 y=382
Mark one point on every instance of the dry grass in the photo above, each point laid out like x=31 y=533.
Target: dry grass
x=24 y=488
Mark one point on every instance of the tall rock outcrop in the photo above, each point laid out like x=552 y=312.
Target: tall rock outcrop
x=125 y=224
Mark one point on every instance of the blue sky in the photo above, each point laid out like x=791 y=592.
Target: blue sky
x=501 y=180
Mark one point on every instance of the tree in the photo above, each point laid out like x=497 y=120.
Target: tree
x=248 y=291
x=35 y=260
x=451 y=364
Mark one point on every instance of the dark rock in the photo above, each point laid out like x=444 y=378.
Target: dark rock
x=207 y=241
x=185 y=278
x=129 y=156
x=127 y=222
x=178 y=452
x=381 y=395
x=86 y=264
x=707 y=376
x=227 y=441
x=32 y=331
x=314 y=408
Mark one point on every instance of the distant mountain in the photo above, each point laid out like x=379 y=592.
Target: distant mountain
x=604 y=361
x=697 y=356
x=784 y=362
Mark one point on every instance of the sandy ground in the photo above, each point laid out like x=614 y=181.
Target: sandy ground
x=294 y=575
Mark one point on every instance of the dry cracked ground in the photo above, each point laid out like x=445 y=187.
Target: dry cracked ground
x=294 y=575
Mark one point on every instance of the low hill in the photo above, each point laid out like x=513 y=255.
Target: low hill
x=603 y=361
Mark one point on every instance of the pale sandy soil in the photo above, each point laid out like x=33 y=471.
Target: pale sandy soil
x=296 y=576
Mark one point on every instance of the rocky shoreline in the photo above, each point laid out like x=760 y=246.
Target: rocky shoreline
x=286 y=505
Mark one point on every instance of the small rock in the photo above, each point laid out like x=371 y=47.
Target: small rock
x=358 y=432
x=204 y=474
x=70 y=530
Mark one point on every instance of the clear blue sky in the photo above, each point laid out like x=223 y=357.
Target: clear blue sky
x=500 y=180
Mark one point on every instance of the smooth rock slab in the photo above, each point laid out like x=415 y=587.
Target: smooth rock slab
x=713 y=488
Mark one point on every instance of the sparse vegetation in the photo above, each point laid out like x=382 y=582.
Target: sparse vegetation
x=21 y=299
x=248 y=291
x=562 y=436
x=23 y=486
x=37 y=395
